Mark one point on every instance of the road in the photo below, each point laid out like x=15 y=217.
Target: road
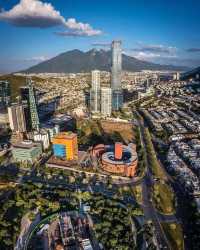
x=150 y=211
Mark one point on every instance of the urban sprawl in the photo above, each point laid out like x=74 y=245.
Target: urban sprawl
x=100 y=160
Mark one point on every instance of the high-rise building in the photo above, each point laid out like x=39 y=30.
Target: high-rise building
x=24 y=94
x=95 y=92
x=17 y=117
x=116 y=65
x=96 y=80
x=65 y=146
x=106 y=101
x=176 y=76
x=33 y=107
x=117 y=99
x=5 y=93
x=116 y=70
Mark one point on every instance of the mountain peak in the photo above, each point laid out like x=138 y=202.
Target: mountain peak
x=75 y=61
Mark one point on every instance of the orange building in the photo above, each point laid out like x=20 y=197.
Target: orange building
x=117 y=159
x=118 y=150
x=65 y=145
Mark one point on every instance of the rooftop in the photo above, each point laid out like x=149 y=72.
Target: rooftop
x=65 y=135
x=26 y=144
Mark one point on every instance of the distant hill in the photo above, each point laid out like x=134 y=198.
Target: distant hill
x=76 y=61
x=191 y=74
x=17 y=82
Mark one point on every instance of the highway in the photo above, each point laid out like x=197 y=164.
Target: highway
x=150 y=211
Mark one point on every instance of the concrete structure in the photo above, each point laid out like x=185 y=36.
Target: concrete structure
x=4 y=121
x=118 y=150
x=65 y=146
x=52 y=130
x=118 y=159
x=5 y=93
x=95 y=92
x=95 y=80
x=106 y=101
x=27 y=151
x=24 y=94
x=116 y=65
x=176 y=76
x=117 y=99
x=116 y=72
x=33 y=107
x=60 y=122
x=16 y=116
x=43 y=137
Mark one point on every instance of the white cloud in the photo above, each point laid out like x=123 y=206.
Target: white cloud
x=155 y=48
x=148 y=56
x=34 y=13
x=39 y=58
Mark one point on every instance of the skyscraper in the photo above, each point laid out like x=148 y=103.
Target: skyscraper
x=95 y=91
x=106 y=101
x=116 y=65
x=17 y=118
x=33 y=107
x=4 y=93
x=116 y=70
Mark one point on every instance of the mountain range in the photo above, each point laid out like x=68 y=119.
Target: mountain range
x=76 y=61
x=191 y=74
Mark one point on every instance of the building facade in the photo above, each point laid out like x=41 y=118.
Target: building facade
x=43 y=137
x=95 y=91
x=17 y=118
x=116 y=68
x=117 y=159
x=28 y=96
x=116 y=72
x=5 y=93
x=106 y=101
x=27 y=151
x=65 y=146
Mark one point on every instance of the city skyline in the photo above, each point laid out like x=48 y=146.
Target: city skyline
x=159 y=31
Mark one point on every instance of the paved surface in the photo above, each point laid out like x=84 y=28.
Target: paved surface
x=149 y=210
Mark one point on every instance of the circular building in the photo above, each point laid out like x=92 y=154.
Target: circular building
x=120 y=159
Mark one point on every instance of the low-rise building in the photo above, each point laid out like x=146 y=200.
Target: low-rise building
x=65 y=146
x=27 y=151
x=43 y=137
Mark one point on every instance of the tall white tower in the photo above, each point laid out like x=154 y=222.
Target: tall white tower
x=95 y=91
x=106 y=101
x=116 y=65
x=116 y=71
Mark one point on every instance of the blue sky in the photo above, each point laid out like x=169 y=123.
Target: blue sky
x=161 y=31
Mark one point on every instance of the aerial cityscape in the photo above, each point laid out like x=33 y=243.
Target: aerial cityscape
x=99 y=125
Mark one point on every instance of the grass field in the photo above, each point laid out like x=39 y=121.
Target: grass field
x=164 y=199
x=174 y=234
x=154 y=163
x=137 y=192
x=94 y=132
x=125 y=130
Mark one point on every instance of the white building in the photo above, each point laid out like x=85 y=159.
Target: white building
x=95 y=80
x=43 y=137
x=95 y=91
x=176 y=76
x=16 y=117
x=106 y=101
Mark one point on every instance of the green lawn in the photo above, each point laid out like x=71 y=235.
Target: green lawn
x=174 y=234
x=154 y=164
x=137 y=192
x=163 y=198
